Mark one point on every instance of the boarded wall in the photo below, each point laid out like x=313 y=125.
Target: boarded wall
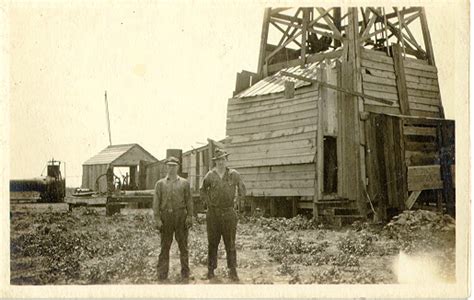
x=196 y=165
x=272 y=142
x=379 y=80
x=89 y=175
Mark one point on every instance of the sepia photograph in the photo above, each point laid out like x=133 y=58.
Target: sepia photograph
x=243 y=149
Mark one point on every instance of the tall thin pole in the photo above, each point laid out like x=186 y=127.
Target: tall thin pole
x=108 y=119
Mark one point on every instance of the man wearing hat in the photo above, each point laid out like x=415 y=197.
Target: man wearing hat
x=173 y=211
x=218 y=190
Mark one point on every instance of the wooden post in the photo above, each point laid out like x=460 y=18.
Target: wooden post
x=337 y=22
x=252 y=206
x=400 y=79
x=427 y=37
x=446 y=154
x=142 y=175
x=381 y=130
x=294 y=206
x=319 y=158
x=272 y=207
x=303 y=36
x=263 y=41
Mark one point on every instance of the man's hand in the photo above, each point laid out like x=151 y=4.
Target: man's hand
x=189 y=222
x=158 y=224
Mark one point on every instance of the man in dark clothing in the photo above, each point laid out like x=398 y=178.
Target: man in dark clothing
x=218 y=190
x=173 y=211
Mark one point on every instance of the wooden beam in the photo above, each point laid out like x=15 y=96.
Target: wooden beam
x=285 y=32
x=263 y=41
x=427 y=37
x=412 y=199
x=340 y=89
x=331 y=25
x=311 y=58
x=278 y=10
x=337 y=22
x=369 y=26
x=289 y=26
x=400 y=79
x=304 y=35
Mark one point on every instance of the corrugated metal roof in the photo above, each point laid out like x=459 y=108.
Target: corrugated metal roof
x=109 y=154
x=276 y=82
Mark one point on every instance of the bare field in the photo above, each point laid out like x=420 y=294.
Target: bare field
x=50 y=245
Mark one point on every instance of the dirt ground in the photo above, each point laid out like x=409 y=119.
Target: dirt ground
x=50 y=245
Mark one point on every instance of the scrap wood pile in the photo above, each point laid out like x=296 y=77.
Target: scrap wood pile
x=421 y=230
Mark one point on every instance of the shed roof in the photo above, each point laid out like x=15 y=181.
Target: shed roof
x=276 y=83
x=114 y=152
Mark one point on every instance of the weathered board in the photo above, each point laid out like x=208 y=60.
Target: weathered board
x=271 y=142
x=418 y=83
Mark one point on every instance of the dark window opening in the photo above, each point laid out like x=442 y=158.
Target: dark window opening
x=330 y=165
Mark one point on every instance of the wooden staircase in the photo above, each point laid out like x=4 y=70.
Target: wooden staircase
x=338 y=212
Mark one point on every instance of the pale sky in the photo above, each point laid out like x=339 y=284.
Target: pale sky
x=168 y=69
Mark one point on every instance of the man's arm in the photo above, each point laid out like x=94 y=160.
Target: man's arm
x=157 y=202
x=188 y=199
x=241 y=189
x=204 y=190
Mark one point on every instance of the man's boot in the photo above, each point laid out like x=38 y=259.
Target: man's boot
x=210 y=274
x=233 y=274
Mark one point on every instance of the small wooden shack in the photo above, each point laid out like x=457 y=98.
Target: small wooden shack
x=350 y=124
x=125 y=155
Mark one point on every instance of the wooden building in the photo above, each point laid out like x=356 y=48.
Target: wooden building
x=343 y=116
x=127 y=155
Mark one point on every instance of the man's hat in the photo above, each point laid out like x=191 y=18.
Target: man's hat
x=219 y=153
x=172 y=161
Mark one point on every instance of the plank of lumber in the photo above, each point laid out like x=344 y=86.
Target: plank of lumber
x=412 y=130
x=273 y=68
x=378 y=73
x=272 y=154
x=432 y=108
x=347 y=91
x=264 y=147
x=421 y=73
x=422 y=80
x=273 y=134
x=271 y=127
x=427 y=170
x=277 y=192
x=423 y=100
x=271 y=103
x=425 y=185
x=305 y=106
x=422 y=86
x=277 y=169
x=382 y=109
x=278 y=176
x=296 y=137
x=378 y=80
x=304 y=159
x=385 y=95
x=283 y=184
x=419 y=66
x=421 y=146
x=377 y=56
x=378 y=65
x=400 y=79
x=379 y=88
x=422 y=113
x=309 y=113
x=412 y=199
